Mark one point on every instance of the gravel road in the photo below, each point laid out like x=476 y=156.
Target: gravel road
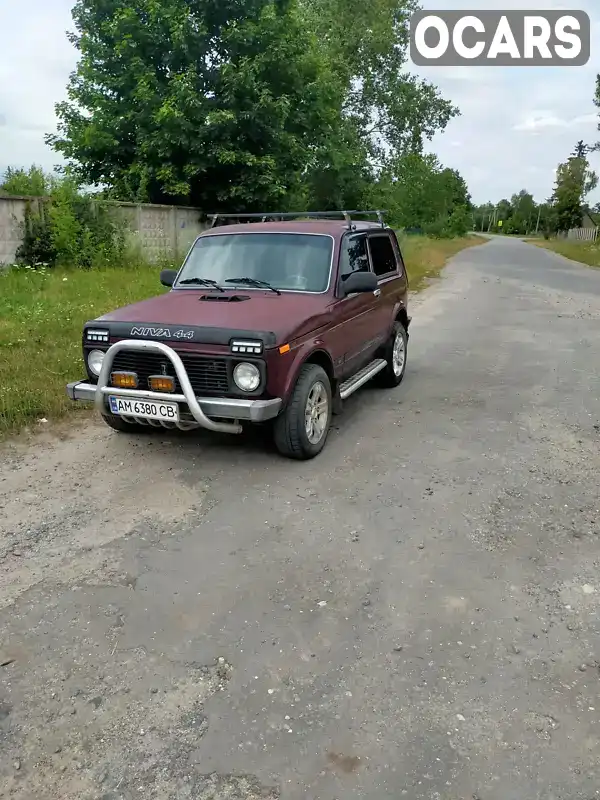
x=414 y=614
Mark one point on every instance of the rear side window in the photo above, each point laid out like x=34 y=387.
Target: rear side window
x=354 y=256
x=383 y=257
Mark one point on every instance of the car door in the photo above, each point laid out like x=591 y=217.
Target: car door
x=356 y=325
x=385 y=263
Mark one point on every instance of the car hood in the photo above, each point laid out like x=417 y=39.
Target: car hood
x=185 y=314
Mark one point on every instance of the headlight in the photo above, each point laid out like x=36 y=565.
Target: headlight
x=95 y=359
x=246 y=377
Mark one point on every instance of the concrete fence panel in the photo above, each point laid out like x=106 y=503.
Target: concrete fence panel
x=158 y=231
x=12 y=214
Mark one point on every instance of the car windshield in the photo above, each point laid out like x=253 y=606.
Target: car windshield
x=292 y=261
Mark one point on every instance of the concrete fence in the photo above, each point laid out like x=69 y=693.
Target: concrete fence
x=158 y=230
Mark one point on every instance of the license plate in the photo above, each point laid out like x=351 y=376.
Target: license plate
x=145 y=409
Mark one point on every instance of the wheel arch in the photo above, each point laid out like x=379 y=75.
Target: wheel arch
x=317 y=356
x=403 y=318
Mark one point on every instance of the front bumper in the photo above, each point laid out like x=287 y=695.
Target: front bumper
x=202 y=409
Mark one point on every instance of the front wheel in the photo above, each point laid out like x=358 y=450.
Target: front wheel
x=301 y=430
x=394 y=354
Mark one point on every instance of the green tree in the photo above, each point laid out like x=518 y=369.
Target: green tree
x=454 y=190
x=482 y=216
x=596 y=147
x=241 y=106
x=406 y=189
x=366 y=45
x=215 y=103
x=504 y=211
x=459 y=222
x=523 y=214
x=574 y=181
x=33 y=182
x=420 y=193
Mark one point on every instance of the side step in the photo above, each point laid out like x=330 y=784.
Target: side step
x=362 y=376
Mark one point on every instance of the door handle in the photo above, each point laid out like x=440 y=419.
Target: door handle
x=377 y=292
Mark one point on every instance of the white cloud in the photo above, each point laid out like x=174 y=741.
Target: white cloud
x=517 y=124
x=547 y=119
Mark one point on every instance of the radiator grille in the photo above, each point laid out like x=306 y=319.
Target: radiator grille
x=207 y=375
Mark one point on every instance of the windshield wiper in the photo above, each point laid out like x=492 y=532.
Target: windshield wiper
x=202 y=282
x=253 y=282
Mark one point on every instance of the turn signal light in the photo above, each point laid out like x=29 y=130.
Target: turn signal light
x=161 y=383
x=124 y=380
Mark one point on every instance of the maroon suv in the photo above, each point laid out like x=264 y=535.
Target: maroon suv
x=275 y=320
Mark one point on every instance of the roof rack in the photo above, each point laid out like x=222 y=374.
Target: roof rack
x=279 y=216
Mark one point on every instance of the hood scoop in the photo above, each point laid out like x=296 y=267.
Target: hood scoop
x=224 y=298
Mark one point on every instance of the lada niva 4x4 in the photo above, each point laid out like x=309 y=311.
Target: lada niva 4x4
x=275 y=320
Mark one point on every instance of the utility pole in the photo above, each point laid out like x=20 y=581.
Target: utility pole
x=537 y=227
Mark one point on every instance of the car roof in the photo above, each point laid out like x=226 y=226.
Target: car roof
x=335 y=228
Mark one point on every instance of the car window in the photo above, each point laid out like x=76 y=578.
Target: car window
x=383 y=257
x=353 y=257
x=293 y=261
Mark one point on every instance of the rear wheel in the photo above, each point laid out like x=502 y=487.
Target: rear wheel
x=123 y=426
x=394 y=354
x=301 y=430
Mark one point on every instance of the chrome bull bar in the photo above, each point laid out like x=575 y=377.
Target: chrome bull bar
x=187 y=396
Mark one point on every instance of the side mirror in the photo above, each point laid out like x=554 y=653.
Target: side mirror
x=359 y=282
x=167 y=277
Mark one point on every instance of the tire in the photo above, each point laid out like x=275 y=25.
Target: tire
x=290 y=431
x=391 y=376
x=122 y=426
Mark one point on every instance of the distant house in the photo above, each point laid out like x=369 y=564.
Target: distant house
x=588 y=232
x=590 y=219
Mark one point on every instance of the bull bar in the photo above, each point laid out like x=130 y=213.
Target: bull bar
x=201 y=408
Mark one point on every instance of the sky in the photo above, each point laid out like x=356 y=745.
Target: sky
x=516 y=123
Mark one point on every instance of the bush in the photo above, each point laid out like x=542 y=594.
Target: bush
x=456 y=225
x=62 y=226
x=36 y=247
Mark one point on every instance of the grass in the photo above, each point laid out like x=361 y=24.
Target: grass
x=425 y=257
x=41 y=320
x=42 y=315
x=585 y=252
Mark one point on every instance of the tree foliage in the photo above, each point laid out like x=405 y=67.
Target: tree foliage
x=205 y=102
x=366 y=44
x=32 y=182
x=595 y=147
x=243 y=106
x=574 y=181
x=421 y=194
